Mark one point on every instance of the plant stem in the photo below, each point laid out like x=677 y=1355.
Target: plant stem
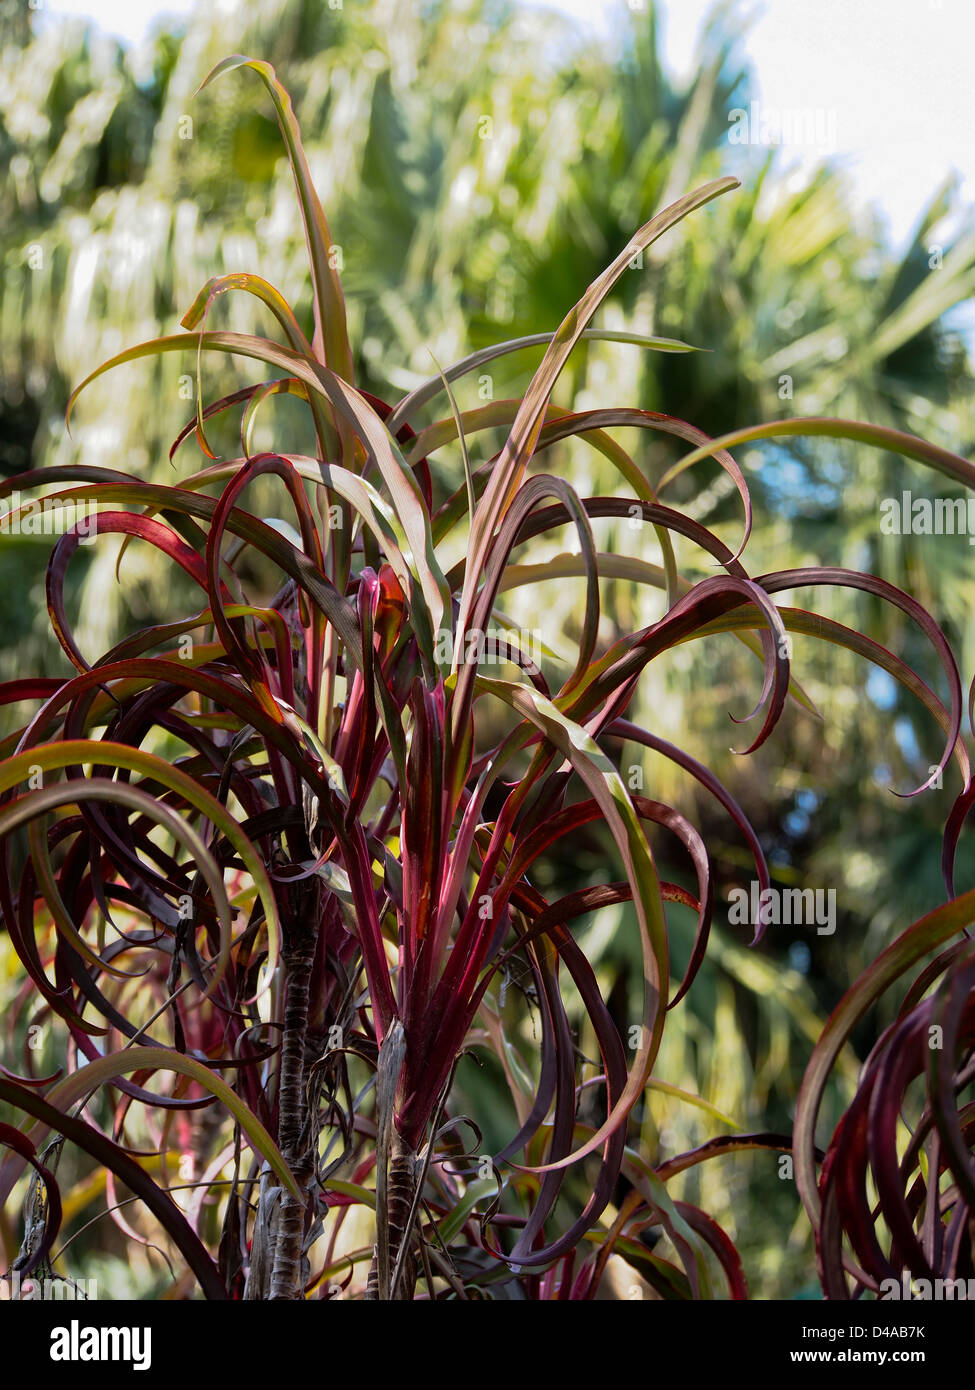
x=293 y=1139
x=400 y=1192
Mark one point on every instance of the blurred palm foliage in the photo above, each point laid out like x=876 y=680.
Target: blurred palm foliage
x=480 y=165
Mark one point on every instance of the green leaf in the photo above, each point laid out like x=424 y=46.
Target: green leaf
x=609 y=791
x=74 y=1087
x=77 y=752
x=329 y=301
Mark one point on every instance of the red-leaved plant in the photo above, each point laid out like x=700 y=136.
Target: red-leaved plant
x=292 y=853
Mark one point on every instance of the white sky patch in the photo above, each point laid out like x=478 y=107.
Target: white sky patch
x=128 y=20
x=895 y=73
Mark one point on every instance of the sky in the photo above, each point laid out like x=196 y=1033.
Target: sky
x=890 y=80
